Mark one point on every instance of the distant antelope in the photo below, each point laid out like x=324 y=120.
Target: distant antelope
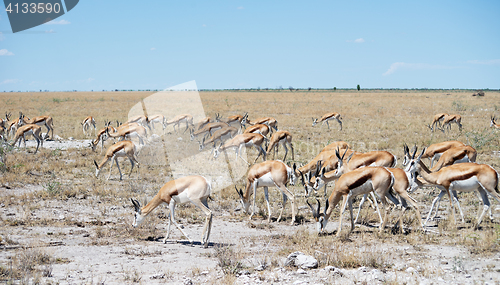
x=327 y=117
x=448 y=120
x=262 y=129
x=281 y=137
x=119 y=149
x=3 y=122
x=437 y=120
x=208 y=129
x=29 y=129
x=87 y=122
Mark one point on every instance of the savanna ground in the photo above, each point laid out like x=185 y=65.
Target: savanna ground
x=60 y=224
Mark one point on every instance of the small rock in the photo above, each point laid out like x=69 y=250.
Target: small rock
x=301 y=271
x=71 y=138
x=468 y=276
x=411 y=270
x=290 y=260
x=363 y=269
x=244 y=272
x=204 y=273
x=179 y=138
x=157 y=276
x=306 y=261
x=188 y=282
x=444 y=262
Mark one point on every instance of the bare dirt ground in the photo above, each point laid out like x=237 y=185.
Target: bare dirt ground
x=61 y=225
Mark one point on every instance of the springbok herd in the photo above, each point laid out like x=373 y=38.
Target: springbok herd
x=452 y=166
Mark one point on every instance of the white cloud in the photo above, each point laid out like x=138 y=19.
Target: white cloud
x=49 y=31
x=413 y=66
x=153 y=48
x=5 y=52
x=7 y=81
x=485 y=62
x=357 y=41
x=61 y=22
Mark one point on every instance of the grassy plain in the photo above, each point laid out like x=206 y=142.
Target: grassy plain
x=34 y=187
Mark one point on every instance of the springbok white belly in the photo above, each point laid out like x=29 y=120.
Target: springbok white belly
x=364 y=188
x=466 y=185
x=121 y=153
x=182 y=197
x=265 y=180
x=462 y=160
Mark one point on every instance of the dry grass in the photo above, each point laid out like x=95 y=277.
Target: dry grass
x=372 y=120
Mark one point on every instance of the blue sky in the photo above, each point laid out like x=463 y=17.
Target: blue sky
x=247 y=44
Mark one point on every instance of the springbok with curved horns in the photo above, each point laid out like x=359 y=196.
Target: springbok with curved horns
x=268 y=174
x=464 y=177
x=194 y=189
x=359 y=181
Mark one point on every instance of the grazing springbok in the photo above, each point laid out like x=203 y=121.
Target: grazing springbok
x=129 y=131
x=87 y=122
x=101 y=137
x=359 y=181
x=327 y=117
x=208 y=129
x=437 y=121
x=220 y=135
x=241 y=140
x=281 y=137
x=194 y=189
x=262 y=129
x=157 y=119
x=119 y=149
x=178 y=120
x=448 y=120
x=465 y=177
x=268 y=174
x=29 y=129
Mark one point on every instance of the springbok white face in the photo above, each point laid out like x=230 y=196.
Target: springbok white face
x=244 y=204
x=138 y=218
x=321 y=221
x=315 y=122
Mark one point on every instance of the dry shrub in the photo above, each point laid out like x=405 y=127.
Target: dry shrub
x=28 y=266
x=484 y=242
x=228 y=259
